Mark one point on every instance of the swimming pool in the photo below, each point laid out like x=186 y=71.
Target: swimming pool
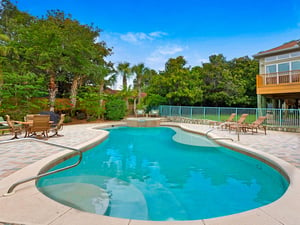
x=147 y=175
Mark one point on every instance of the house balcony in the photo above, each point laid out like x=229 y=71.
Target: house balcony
x=278 y=83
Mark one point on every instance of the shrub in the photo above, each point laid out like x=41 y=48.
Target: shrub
x=91 y=118
x=115 y=109
x=81 y=116
x=68 y=119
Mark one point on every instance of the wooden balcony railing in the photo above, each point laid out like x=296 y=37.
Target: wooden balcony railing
x=282 y=82
x=286 y=77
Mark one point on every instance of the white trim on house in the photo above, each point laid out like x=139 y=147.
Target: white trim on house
x=282 y=56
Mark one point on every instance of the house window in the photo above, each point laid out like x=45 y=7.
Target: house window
x=295 y=65
x=271 y=69
x=282 y=67
x=295 y=54
x=285 y=56
x=269 y=59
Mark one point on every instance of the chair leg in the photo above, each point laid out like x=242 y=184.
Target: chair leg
x=15 y=135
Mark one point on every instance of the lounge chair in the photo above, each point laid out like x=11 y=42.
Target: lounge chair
x=222 y=124
x=58 y=126
x=257 y=124
x=154 y=112
x=15 y=129
x=236 y=125
x=139 y=112
x=40 y=124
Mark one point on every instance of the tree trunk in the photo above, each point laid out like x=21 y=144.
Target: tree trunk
x=74 y=89
x=124 y=82
x=52 y=91
x=139 y=91
x=134 y=106
x=101 y=90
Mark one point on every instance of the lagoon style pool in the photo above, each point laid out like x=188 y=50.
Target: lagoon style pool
x=163 y=174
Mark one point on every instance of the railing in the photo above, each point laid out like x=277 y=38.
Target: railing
x=275 y=117
x=13 y=186
x=292 y=76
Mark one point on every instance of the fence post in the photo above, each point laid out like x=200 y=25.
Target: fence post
x=280 y=117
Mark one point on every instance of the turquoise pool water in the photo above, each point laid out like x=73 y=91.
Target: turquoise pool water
x=149 y=176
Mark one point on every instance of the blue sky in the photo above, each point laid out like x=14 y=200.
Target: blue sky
x=152 y=31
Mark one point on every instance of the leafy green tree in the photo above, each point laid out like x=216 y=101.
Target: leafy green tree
x=245 y=70
x=177 y=84
x=222 y=88
x=229 y=83
x=17 y=94
x=154 y=100
x=115 y=108
x=89 y=98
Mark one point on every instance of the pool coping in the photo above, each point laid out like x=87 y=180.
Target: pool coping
x=28 y=206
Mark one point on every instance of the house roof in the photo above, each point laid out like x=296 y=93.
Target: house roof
x=284 y=47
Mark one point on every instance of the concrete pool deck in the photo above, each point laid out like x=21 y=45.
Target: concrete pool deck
x=25 y=158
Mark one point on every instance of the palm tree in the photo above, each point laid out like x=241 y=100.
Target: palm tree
x=140 y=71
x=125 y=72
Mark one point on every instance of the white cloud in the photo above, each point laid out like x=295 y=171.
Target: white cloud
x=135 y=38
x=169 y=50
x=157 y=34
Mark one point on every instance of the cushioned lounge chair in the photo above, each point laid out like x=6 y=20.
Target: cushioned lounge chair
x=154 y=112
x=139 y=112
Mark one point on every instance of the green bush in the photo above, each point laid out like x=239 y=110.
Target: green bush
x=68 y=119
x=115 y=109
x=91 y=118
x=81 y=116
x=153 y=101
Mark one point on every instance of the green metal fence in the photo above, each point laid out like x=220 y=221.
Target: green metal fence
x=275 y=117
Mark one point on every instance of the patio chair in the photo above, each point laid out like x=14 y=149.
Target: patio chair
x=40 y=124
x=222 y=124
x=29 y=117
x=236 y=125
x=140 y=112
x=257 y=124
x=58 y=126
x=15 y=129
x=154 y=112
x=3 y=125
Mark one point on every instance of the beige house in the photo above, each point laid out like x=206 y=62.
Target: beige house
x=278 y=82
